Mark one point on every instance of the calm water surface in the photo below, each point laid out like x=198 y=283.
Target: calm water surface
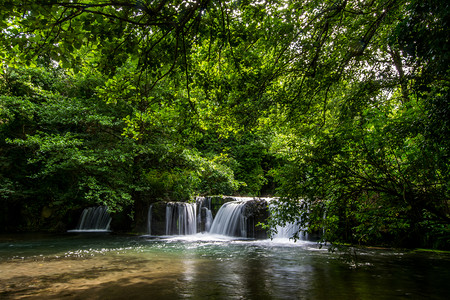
x=203 y=267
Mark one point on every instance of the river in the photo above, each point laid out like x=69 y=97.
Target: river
x=202 y=266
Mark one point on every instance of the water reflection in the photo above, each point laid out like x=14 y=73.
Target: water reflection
x=114 y=267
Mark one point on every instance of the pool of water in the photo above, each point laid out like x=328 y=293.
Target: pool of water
x=103 y=266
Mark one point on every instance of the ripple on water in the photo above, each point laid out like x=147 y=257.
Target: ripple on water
x=117 y=267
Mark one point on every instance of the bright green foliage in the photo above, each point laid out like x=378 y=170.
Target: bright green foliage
x=370 y=159
x=65 y=152
x=54 y=149
x=344 y=104
x=249 y=156
x=196 y=175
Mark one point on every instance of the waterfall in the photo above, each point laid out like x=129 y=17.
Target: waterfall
x=181 y=218
x=289 y=231
x=208 y=219
x=204 y=216
x=94 y=219
x=230 y=220
x=236 y=217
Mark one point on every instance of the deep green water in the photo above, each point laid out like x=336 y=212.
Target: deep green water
x=200 y=267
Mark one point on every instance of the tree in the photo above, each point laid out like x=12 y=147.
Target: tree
x=352 y=96
x=365 y=157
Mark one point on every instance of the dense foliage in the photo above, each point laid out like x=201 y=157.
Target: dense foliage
x=341 y=105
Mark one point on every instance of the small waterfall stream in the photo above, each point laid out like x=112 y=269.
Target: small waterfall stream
x=181 y=218
x=230 y=220
x=208 y=219
x=94 y=219
x=289 y=231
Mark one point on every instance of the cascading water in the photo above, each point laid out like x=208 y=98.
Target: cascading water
x=181 y=218
x=94 y=219
x=290 y=231
x=204 y=215
x=237 y=217
x=230 y=220
x=208 y=219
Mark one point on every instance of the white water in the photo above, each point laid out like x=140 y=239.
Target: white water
x=209 y=219
x=230 y=220
x=181 y=218
x=289 y=231
x=94 y=219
